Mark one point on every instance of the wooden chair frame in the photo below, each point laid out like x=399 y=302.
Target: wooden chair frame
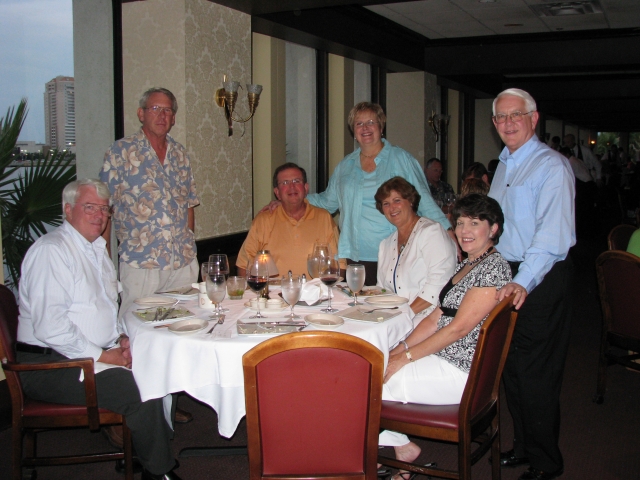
x=619 y=236
x=26 y=419
x=310 y=340
x=611 y=337
x=483 y=428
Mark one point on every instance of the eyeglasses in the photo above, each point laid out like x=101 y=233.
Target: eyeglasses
x=92 y=209
x=157 y=110
x=368 y=123
x=295 y=181
x=515 y=116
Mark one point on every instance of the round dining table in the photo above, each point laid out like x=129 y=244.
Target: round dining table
x=208 y=366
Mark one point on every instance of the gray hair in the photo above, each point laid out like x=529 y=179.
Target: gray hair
x=529 y=102
x=145 y=98
x=70 y=193
x=431 y=161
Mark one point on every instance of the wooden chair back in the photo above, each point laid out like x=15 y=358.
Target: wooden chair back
x=619 y=236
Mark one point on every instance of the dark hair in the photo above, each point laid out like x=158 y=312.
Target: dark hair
x=566 y=151
x=492 y=166
x=431 y=161
x=366 y=107
x=288 y=166
x=475 y=170
x=555 y=139
x=481 y=207
x=400 y=185
x=473 y=185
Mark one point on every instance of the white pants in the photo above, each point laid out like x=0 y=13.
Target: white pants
x=141 y=282
x=430 y=380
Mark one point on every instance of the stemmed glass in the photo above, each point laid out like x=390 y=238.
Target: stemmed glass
x=329 y=272
x=216 y=290
x=257 y=278
x=355 y=280
x=291 y=291
x=219 y=263
x=312 y=265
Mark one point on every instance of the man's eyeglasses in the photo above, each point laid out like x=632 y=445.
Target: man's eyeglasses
x=368 y=123
x=92 y=209
x=295 y=181
x=157 y=110
x=515 y=116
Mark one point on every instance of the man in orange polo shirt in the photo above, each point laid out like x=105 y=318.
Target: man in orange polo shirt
x=290 y=230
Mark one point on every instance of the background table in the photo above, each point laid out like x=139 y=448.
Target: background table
x=209 y=368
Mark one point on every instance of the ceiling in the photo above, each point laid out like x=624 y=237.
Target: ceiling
x=581 y=68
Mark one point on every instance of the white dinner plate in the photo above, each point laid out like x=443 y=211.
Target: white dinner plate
x=386 y=301
x=188 y=326
x=265 y=309
x=324 y=321
x=186 y=292
x=156 y=301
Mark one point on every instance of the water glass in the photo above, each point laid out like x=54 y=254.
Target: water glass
x=355 y=280
x=291 y=291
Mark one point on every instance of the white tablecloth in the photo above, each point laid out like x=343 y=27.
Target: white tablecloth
x=210 y=368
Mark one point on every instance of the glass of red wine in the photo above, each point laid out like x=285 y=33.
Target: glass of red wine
x=257 y=278
x=329 y=273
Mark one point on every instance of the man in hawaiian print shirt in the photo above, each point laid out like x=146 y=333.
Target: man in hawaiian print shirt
x=154 y=194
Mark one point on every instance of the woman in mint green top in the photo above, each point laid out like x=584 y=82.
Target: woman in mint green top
x=634 y=243
x=355 y=181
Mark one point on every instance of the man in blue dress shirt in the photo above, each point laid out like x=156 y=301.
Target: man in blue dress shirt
x=535 y=187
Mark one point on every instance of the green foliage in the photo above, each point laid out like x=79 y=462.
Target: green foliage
x=31 y=201
x=605 y=140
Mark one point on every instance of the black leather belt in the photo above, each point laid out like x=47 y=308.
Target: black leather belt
x=25 y=347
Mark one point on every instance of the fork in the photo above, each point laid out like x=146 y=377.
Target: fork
x=373 y=310
x=219 y=322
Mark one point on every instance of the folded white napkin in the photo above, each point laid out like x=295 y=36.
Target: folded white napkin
x=314 y=290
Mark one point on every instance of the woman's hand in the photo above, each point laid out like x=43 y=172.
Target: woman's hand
x=396 y=362
x=273 y=204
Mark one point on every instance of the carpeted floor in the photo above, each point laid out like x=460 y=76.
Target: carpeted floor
x=598 y=441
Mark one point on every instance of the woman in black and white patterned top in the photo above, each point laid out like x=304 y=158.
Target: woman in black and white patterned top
x=431 y=367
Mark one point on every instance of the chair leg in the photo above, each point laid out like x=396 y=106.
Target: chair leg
x=128 y=450
x=464 y=459
x=495 y=453
x=17 y=451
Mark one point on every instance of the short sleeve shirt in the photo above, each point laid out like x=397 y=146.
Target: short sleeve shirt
x=150 y=202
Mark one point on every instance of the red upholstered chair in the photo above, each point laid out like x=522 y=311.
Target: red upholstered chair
x=30 y=416
x=619 y=284
x=619 y=237
x=313 y=407
x=476 y=419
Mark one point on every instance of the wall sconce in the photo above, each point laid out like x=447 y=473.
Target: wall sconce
x=439 y=123
x=227 y=96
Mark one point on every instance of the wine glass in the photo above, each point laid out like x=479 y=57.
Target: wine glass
x=216 y=290
x=257 y=278
x=291 y=291
x=329 y=272
x=312 y=265
x=222 y=261
x=355 y=280
x=321 y=250
x=217 y=267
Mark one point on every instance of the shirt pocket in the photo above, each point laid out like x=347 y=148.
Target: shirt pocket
x=517 y=205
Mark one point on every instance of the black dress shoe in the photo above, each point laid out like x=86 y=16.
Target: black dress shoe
x=137 y=466
x=510 y=459
x=170 y=475
x=535 y=474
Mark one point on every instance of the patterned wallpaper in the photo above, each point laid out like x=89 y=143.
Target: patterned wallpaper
x=187 y=46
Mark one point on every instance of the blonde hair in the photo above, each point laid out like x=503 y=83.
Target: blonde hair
x=473 y=185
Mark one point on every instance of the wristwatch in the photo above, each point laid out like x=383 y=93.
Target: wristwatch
x=408 y=354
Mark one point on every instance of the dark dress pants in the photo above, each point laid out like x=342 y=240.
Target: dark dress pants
x=534 y=368
x=118 y=392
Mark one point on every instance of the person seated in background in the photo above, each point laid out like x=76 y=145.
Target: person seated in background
x=439 y=189
x=69 y=309
x=419 y=257
x=474 y=185
x=476 y=170
x=634 y=243
x=432 y=365
x=290 y=230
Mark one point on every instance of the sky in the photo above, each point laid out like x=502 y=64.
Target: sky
x=36 y=45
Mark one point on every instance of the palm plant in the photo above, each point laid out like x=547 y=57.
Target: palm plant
x=28 y=202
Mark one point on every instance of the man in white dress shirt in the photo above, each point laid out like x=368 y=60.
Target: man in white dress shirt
x=586 y=156
x=68 y=309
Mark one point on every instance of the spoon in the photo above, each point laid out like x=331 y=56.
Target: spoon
x=220 y=322
x=373 y=310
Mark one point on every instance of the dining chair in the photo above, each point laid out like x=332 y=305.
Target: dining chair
x=619 y=237
x=476 y=419
x=619 y=286
x=30 y=417
x=313 y=407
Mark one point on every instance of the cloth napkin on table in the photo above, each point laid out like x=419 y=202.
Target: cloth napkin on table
x=314 y=290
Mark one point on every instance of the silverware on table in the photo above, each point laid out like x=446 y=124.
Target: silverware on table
x=219 y=322
x=383 y=308
x=165 y=315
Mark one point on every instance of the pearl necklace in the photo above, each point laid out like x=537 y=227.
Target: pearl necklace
x=479 y=258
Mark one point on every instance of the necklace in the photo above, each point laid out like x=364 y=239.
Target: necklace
x=479 y=258
x=372 y=155
x=404 y=244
